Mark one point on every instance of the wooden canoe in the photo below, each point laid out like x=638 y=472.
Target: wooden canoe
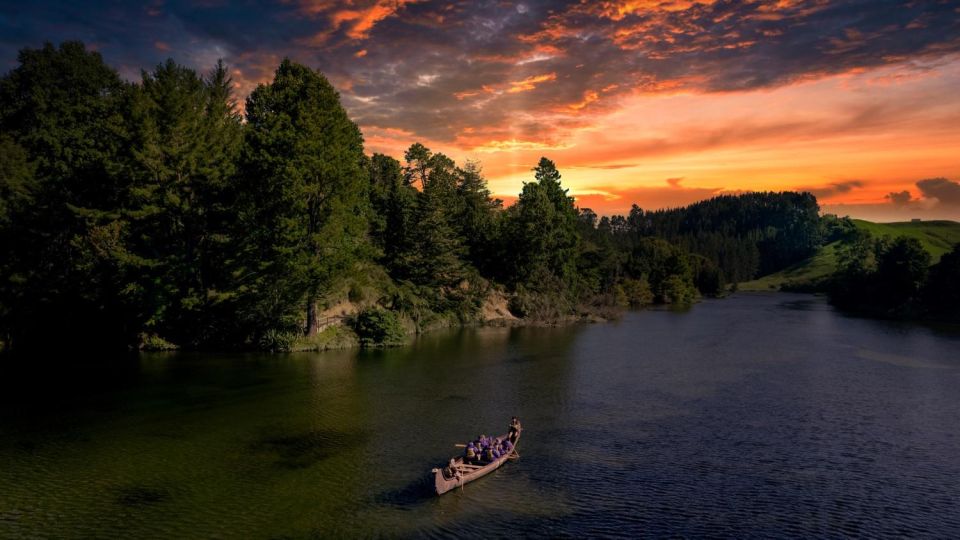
x=466 y=472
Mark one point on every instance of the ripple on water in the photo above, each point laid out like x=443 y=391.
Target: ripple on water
x=741 y=418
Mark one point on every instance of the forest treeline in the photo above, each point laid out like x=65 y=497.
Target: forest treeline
x=136 y=214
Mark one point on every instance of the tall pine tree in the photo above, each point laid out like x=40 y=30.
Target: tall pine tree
x=187 y=136
x=305 y=188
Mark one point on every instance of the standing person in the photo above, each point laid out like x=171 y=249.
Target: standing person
x=514 y=429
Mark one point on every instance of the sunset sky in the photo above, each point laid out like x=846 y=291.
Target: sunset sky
x=655 y=102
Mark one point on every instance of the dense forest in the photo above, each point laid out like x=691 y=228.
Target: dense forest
x=153 y=214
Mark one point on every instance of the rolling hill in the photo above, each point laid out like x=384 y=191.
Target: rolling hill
x=937 y=237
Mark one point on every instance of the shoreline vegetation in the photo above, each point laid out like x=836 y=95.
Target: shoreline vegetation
x=154 y=215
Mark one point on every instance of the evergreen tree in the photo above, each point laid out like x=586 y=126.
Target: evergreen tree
x=436 y=250
x=305 y=194
x=543 y=231
x=436 y=260
x=393 y=204
x=65 y=255
x=478 y=218
x=186 y=143
x=418 y=165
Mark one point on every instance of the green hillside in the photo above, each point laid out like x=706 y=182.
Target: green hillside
x=937 y=237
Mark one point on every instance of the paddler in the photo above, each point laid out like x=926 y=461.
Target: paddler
x=514 y=429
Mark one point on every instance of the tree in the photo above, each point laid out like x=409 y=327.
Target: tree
x=543 y=230
x=65 y=253
x=436 y=258
x=305 y=193
x=478 y=218
x=418 y=165
x=393 y=203
x=17 y=181
x=17 y=185
x=186 y=141
x=942 y=290
x=665 y=267
x=902 y=267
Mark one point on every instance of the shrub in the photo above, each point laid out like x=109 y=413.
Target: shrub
x=637 y=291
x=277 y=340
x=153 y=342
x=676 y=290
x=377 y=327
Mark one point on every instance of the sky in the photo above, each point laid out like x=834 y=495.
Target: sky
x=658 y=103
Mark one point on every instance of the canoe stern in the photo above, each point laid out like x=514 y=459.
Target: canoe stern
x=442 y=484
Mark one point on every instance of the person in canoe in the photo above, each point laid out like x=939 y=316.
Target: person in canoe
x=514 y=429
x=470 y=456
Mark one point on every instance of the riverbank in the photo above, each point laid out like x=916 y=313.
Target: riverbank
x=340 y=331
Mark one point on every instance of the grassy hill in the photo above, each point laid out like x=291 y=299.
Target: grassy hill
x=937 y=237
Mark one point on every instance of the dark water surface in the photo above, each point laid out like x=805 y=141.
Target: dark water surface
x=753 y=416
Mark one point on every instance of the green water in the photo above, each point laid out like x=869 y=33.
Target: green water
x=757 y=415
x=265 y=446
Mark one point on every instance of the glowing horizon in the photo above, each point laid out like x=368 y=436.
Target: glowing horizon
x=659 y=103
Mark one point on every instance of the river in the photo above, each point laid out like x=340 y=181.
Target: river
x=758 y=415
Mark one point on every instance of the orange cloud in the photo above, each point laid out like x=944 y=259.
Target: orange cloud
x=618 y=10
x=588 y=97
x=358 y=17
x=530 y=83
x=813 y=135
x=514 y=144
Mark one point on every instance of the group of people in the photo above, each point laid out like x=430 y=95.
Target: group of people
x=488 y=449
x=485 y=450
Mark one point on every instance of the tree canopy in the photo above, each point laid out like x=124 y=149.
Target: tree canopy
x=152 y=213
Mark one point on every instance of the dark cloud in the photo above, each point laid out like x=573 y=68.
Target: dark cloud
x=899 y=198
x=456 y=71
x=833 y=189
x=946 y=192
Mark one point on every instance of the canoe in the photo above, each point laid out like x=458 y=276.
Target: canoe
x=466 y=472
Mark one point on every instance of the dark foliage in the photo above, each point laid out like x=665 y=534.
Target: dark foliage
x=893 y=278
x=149 y=214
x=377 y=327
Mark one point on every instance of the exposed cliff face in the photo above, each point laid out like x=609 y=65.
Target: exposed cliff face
x=495 y=308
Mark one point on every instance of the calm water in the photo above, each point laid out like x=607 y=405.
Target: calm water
x=754 y=416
